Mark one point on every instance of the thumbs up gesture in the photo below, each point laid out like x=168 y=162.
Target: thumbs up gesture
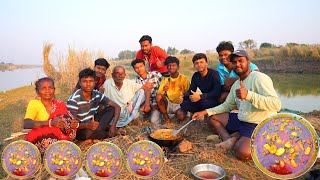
x=242 y=92
x=166 y=87
x=159 y=63
x=181 y=97
x=93 y=125
x=194 y=97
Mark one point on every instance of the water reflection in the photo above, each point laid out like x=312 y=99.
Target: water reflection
x=291 y=85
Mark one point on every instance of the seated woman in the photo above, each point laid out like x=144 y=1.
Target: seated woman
x=48 y=118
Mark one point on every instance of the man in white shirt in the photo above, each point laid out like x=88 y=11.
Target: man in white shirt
x=127 y=94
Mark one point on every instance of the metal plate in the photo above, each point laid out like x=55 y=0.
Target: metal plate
x=21 y=159
x=284 y=146
x=62 y=159
x=104 y=160
x=145 y=159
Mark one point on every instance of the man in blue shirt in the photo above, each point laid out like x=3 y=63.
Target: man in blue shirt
x=225 y=69
x=208 y=81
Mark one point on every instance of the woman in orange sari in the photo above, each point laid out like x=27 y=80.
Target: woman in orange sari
x=48 y=118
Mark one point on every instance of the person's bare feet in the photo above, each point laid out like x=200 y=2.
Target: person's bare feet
x=227 y=144
x=96 y=141
x=121 y=131
x=88 y=141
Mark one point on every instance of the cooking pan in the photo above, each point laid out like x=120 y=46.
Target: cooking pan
x=165 y=140
x=284 y=146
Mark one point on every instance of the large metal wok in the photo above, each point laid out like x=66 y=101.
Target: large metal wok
x=284 y=146
x=162 y=137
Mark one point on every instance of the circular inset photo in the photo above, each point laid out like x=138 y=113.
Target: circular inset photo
x=62 y=159
x=104 y=160
x=21 y=159
x=145 y=159
x=284 y=146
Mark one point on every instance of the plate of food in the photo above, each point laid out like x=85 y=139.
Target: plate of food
x=145 y=159
x=284 y=146
x=21 y=159
x=104 y=160
x=62 y=159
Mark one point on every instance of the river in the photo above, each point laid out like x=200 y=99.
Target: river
x=298 y=92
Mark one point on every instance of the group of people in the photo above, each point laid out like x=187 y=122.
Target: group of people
x=232 y=99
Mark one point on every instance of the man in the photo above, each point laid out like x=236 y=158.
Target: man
x=128 y=95
x=154 y=77
x=208 y=81
x=171 y=90
x=255 y=98
x=153 y=54
x=92 y=109
x=225 y=69
x=101 y=66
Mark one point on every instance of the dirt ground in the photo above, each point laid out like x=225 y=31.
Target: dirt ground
x=179 y=165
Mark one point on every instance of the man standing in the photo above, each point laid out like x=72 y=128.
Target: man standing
x=153 y=54
x=92 y=109
x=256 y=99
x=225 y=69
x=171 y=90
x=128 y=95
x=208 y=81
x=155 y=78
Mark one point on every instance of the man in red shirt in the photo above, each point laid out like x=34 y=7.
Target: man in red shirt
x=153 y=54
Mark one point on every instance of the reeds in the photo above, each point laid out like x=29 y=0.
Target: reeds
x=68 y=67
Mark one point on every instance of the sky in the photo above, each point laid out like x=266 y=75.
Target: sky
x=111 y=26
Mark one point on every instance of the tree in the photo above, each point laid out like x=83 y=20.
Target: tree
x=186 y=51
x=172 y=51
x=267 y=45
x=248 y=44
x=127 y=54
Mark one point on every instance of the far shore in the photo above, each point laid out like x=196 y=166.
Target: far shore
x=10 y=67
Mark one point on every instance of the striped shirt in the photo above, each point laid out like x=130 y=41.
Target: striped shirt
x=84 y=110
x=156 y=79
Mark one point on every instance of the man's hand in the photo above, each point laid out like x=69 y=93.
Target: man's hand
x=74 y=123
x=166 y=87
x=146 y=108
x=112 y=131
x=242 y=92
x=194 y=97
x=101 y=89
x=149 y=84
x=59 y=122
x=154 y=107
x=93 y=125
x=160 y=63
x=181 y=97
x=199 y=115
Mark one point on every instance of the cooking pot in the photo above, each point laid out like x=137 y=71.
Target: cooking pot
x=165 y=142
x=284 y=146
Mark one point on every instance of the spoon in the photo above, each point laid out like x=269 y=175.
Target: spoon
x=177 y=131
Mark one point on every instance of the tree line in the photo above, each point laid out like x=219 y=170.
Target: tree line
x=247 y=44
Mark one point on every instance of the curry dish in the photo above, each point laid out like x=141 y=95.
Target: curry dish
x=164 y=134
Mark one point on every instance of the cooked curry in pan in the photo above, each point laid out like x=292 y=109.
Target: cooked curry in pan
x=164 y=134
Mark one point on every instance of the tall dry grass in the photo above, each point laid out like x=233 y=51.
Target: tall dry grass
x=65 y=72
x=297 y=53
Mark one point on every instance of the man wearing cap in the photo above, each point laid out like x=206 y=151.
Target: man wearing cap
x=225 y=69
x=255 y=97
x=153 y=54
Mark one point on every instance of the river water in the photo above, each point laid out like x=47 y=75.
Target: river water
x=298 y=92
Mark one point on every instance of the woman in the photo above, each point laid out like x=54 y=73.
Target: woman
x=48 y=118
